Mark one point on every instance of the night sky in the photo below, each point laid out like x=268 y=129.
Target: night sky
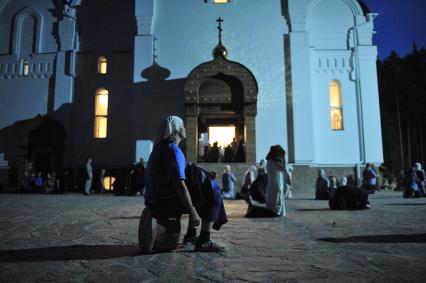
x=398 y=24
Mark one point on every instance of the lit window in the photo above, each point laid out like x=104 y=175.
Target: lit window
x=108 y=181
x=222 y=135
x=102 y=65
x=101 y=113
x=25 y=68
x=221 y=1
x=336 y=112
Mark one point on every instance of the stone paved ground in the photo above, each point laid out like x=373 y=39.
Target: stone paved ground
x=73 y=238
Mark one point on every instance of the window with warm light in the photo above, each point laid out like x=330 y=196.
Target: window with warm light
x=108 y=182
x=222 y=135
x=101 y=113
x=25 y=68
x=102 y=65
x=221 y=1
x=336 y=112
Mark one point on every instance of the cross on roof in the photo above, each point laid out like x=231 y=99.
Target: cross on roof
x=219 y=27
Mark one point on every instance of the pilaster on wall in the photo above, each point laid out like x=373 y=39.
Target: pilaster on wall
x=191 y=140
x=144 y=13
x=369 y=93
x=303 y=139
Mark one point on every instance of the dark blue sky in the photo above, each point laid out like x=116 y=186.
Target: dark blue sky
x=398 y=24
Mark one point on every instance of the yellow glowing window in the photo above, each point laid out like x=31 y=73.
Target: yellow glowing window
x=221 y=1
x=25 y=68
x=222 y=135
x=101 y=113
x=102 y=65
x=336 y=112
x=108 y=181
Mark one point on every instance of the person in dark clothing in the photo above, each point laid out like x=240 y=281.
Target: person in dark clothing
x=139 y=177
x=215 y=153
x=167 y=196
x=349 y=197
x=411 y=189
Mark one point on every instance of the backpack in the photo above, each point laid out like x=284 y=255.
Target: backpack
x=199 y=185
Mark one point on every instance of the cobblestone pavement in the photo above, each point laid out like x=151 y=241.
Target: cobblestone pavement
x=76 y=238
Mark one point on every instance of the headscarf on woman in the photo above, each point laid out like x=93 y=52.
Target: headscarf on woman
x=276 y=153
x=168 y=129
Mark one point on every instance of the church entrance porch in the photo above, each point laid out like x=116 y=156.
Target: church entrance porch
x=220 y=106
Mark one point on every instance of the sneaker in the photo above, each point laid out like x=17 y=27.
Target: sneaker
x=190 y=239
x=209 y=246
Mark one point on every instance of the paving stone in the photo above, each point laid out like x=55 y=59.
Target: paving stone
x=76 y=238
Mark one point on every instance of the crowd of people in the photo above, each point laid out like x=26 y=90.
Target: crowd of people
x=233 y=152
x=172 y=187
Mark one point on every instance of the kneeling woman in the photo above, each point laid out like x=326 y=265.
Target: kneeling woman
x=277 y=173
x=167 y=196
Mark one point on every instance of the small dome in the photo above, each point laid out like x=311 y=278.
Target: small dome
x=220 y=50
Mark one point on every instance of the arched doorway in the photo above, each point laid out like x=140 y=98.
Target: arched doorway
x=41 y=142
x=220 y=93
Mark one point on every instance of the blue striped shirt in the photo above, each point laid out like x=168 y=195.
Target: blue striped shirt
x=165 y=169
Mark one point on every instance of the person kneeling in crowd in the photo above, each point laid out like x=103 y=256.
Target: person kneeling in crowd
x=348 y=197
x=167 y=196
x=277 y=169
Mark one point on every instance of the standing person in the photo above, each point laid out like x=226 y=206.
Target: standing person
x=277 y=169
x=410 y=184
x=215 y=153
x=39 y=183
x=89 y=176
x=228 y=180
x=167 y=195
x=102 y=181
x=140 y=177
x=421 y=179
x=369 y=179
x=288 y=183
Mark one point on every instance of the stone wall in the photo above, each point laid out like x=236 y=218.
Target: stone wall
x=304 y=177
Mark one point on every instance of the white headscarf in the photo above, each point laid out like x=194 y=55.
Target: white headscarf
x=169 y=128
x=418 y=166
x=343 y=181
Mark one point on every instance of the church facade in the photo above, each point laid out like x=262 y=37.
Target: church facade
x=95 y=79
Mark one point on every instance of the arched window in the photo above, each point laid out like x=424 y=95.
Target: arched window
x=102 y=65
x=336 y=112
x=101 y=113
x=25 y=68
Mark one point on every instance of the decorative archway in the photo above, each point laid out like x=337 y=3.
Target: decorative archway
x=222 y=89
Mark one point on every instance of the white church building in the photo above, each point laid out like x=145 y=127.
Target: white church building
x=82 y=78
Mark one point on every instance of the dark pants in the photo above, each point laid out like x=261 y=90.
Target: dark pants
x=173 y=208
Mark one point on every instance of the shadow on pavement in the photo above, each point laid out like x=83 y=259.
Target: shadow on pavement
x=314 y=209
x=127 y=217
x=69 y=253
x=405 y=204
x=383 y=239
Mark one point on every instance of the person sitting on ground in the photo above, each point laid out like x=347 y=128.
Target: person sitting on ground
x=228 y=179
x=167 y=196
x=277 y=169
x=348 y=197
x=411 y=190
x=421 y=179
x=261 y=169
x=322 y=186
x=248 y=181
